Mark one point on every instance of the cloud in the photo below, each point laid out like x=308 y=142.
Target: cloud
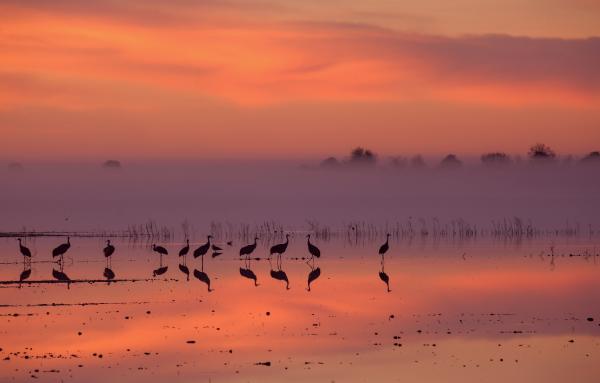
x=274 y=61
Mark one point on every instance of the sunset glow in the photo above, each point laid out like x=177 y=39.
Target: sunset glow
x=228 y=73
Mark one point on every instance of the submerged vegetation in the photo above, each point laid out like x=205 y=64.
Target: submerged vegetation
x=269 y=231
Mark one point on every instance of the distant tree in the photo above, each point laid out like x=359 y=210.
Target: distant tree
x=417 y=162
x=330 y=162
x=112 y=164
x=450 y=162
x=398 y=162
x=360 y=156
x=15 y=166
x=541 y=152
x=591 y=158
x=494 y=159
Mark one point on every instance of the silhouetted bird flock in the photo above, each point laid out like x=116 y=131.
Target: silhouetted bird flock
x=245 y=251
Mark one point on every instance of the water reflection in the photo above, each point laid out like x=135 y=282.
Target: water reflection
x=279 y=274
x=202 y=276
x=247 y=272
x=313 y=274
x=497 y=302
x=382 y=274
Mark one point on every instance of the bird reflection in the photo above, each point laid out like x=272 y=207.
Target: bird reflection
x=313 y=275
x=247 y=272
x=59 y=275
x=109 y=274
x=383 y=276
x=26 y=273
x=279 y=274
x=202 y=276
x=161 y=269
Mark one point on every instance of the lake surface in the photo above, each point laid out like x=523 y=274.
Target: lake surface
x=468 y=310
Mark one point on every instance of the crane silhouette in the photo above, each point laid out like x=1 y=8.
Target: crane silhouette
x=160 y=250
x=312 y=249
x=24 y=250
x=216 y=248
x=199 y=252
x=248 y=249
x=61 y=249
x=108 y=252
x=184 y=250
x=385 y=247
x=280 y=248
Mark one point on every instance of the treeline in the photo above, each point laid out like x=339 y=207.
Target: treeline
x=537 y=154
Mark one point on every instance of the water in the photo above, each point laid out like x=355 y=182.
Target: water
x=469 y=310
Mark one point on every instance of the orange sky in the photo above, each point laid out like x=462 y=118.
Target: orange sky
x=232 y=79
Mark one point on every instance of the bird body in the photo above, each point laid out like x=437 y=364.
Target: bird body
x=60 y=250
x=24 y=250
x=199 y=252
x=312 y=249
x=385 y=247
x=248 y=249
x=109 y=249
x=185 y=249
x=216 y=248
x=280 y=248
x=314 y=274
x=202 y=276
x=160 y=250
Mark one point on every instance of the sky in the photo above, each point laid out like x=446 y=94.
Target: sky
x=286 y=79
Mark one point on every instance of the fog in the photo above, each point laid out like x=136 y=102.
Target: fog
x=86 y=196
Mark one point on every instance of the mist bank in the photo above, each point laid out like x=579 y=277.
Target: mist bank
x=87 y=196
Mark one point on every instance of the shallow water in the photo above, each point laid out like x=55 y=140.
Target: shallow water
x=470 y=310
